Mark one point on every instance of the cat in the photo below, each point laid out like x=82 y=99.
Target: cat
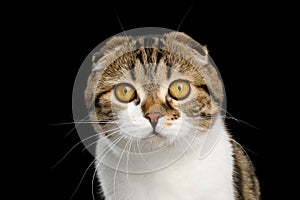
x=154 y=99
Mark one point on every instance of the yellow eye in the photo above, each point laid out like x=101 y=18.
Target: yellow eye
x=179 y=89
x=125 y=92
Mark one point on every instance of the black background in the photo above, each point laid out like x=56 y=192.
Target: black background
x=240 y=39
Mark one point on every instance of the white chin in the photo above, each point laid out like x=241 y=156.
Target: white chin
x=156 y=141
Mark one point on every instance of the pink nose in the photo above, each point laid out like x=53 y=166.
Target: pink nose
x=153 y=117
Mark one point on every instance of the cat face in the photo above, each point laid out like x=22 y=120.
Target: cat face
x=152 y=94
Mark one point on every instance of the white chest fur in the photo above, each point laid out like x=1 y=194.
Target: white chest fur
x=189 y=178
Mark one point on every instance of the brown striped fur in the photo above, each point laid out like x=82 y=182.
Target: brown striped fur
x=246 y=183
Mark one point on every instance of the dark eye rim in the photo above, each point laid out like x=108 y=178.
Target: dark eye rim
x=125 y=84
x=177 y=80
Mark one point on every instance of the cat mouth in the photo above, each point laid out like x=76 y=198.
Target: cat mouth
x=154 y=133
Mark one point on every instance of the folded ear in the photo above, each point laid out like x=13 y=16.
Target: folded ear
x=98 y=61
x=112 y=49
x=197 y=55
x=89 y=93
x=202 y=54
x=210 y=74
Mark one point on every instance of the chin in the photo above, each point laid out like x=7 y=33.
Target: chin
x=156 y=141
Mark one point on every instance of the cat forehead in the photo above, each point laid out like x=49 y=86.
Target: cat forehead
x=174 y=42
x=155 y=57
x=150 y=57
x=149 y=65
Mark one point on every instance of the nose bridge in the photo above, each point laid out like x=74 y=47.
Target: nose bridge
x=151 y=101
x=153 y=105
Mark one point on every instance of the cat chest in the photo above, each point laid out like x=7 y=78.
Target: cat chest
x=192 y=181
x=171 y=183
x=189 y=178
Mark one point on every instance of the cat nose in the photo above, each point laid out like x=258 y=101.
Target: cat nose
x=153 y=118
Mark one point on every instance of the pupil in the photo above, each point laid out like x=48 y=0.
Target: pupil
x=125 y=90
x=179 y=86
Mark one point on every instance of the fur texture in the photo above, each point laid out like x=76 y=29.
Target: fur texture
x=149 y=64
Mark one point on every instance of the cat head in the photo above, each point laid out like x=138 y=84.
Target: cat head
x=153 y=88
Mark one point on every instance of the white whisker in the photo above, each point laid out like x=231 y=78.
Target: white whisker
x=224 y=117
x=245 y=152
x=191 y=144
x=86 y=122
x=96 y=122
x=115 y=174
x=109 y=147
x=140 y=152
x=75 y=126
x=89 y=168
x=186 y=14
x=128 y=152
x=106 y=136
x=77 y=145
x=72 y=150
x=239 y=120
x=65 y=123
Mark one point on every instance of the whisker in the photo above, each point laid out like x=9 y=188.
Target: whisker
x=75 y=127
x=89 y=122
x=245 y=152
x=196 y=127
x=77 y=187
x=180 y=144
x=191 y=144
x=115 y=174
x=127 y=176
x=67 y=134
x=120 y=23
x=64 y=123
x=72 y=150
x=96 y=122
x=244 y=147
x=184 y=17
x=114 y=143
x=106 y=136
x=240 y=121
x=84 y=122
x=123 y=29
x=179 y=25
x=140 y=152
x=77 y=145
x=246 y=123
x=84 y=174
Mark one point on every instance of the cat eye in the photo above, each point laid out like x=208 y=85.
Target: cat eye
x=125 y=92
x=179 y=89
